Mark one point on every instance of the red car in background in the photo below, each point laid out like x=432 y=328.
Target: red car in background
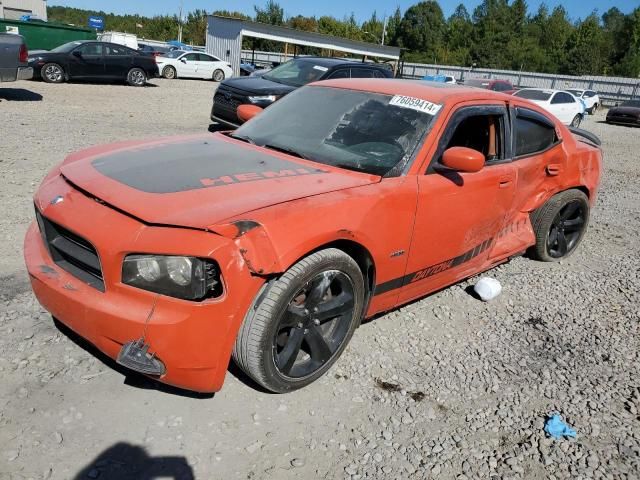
x=273 y=242
x=494 y=84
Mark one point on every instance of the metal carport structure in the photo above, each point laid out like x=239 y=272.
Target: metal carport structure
x=224 y=40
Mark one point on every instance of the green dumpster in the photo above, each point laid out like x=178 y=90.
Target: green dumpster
x=44 y=35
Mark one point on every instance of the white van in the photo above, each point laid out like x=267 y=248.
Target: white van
x=127 y=39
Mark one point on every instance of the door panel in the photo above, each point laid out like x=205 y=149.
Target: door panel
x=86 y=61
x=118 y=60
x=187 y=65
x=457 y=221
x=459 y=215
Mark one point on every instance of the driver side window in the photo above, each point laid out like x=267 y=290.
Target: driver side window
x=481 y=133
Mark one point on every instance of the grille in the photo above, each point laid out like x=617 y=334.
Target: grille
x=71 y=252
x=226 y=101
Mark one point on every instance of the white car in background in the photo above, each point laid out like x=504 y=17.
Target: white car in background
x=567 y=108
x=182 y=64
x=589 y=97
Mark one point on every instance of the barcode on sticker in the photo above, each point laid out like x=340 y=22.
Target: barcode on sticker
x=415 y=104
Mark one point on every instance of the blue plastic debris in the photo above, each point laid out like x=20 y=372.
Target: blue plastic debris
x=556 y=428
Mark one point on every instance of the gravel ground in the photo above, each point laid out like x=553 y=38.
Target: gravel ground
x=445 y=387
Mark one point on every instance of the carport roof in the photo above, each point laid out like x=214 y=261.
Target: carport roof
x=299 y=37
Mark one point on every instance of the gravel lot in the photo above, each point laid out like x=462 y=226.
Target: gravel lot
x=445 y=387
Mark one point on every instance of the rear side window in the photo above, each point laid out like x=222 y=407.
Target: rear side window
x=361 y=73
x=562 y=97
x=532 y=132
x=342 y=73
x=116 y=50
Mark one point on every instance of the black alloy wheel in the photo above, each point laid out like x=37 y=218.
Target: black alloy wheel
x=300 y=322
x=314 y=324
x=566 y=229
x=559 y=225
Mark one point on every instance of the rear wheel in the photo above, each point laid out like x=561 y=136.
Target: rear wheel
x=136 y=77
x=594 y=109
x=52 y=73
x=301 y=322
x=559 y=225
x=218 y=75
x=576 y=121
x=169 y=72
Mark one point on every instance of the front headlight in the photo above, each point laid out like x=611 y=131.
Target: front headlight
x=189 y=278
x=263 y=99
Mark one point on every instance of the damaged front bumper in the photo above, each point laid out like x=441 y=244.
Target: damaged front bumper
x=186 y=343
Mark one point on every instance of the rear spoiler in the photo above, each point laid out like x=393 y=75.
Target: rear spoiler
x=584 y=135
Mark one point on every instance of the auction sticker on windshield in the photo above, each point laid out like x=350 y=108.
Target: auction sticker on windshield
x=415 y=104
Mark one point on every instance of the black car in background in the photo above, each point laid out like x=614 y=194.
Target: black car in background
x=627 y=113
x=91 y=60
x=265 y=89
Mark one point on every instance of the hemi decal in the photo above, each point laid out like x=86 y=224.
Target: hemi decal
x=433 y=269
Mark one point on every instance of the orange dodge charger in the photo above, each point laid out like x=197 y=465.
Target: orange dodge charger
x=270 y=244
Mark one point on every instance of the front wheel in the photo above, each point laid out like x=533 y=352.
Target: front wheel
x=559 y=225
x=301 y=322
x=136 y=77
x=52 y=73
x=218 y=75
x=576 y=121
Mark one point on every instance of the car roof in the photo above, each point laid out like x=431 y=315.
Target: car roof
x=334 y=62
x=437 y=92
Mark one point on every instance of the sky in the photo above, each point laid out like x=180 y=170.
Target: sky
x=338 y=8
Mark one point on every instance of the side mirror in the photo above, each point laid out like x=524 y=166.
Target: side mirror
x=246 y=112
x=463 y=159
x=183 y=60
x=76 y=53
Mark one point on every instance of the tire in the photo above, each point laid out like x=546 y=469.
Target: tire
x=137 y=77
x=284 y=343
x=594 y=109
x=559 y=225
x=576 y=121
x=52 y=73
x=218 y=75
x=169 y=72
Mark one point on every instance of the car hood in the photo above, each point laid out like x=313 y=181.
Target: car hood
x=258 y=85
x=634 y=111
x=199 y=181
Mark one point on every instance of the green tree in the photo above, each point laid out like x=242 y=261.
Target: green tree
x=585 y=48
x=272 y=13
x=459 y=37
x=422 y=31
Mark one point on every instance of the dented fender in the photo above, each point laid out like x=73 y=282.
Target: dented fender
x=254 y=244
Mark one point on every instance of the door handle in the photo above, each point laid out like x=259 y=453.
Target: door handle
x=505 y=182
x=553 y=169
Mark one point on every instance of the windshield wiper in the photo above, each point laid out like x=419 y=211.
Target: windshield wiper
x=286 y=150
x=242 y=138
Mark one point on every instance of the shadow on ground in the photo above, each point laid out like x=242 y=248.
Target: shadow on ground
x=19 y=95
x=123 y=461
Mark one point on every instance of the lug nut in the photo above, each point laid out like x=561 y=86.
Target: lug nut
x=316 y=321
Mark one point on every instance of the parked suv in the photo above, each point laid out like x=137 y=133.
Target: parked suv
x=265 y=89
x=589 y=97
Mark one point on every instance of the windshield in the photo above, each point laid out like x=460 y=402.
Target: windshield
x=296 y=73
x=361 y=131
x=631 y=103
x=66 y=47
x=533 y=95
